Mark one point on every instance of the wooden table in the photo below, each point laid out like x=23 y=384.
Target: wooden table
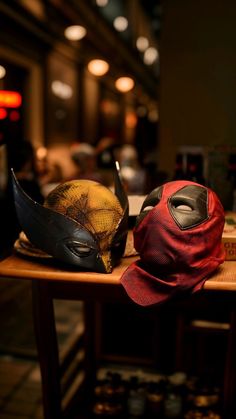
x=50 y=282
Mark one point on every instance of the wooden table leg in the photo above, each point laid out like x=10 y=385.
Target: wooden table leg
x=46 y=340
x=230 y=372
x=89 y=341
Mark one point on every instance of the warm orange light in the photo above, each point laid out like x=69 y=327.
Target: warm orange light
x=124 y=84
x=142 y=43
x=41 y=153
x=3 y=113
x=150 y=55
x=131 y=120
x=98 y=67
x=75 y=32
x=10 y=99
x=14 y=116
x=109 y=107
x=120 y=23
x=2 y=72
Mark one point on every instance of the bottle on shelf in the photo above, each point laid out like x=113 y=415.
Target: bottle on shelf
x=175 y=396
x=110 y=396
x=204 y=402
x=155 y=398
x=137 y=395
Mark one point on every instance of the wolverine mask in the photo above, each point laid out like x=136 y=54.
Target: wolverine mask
x=81 y=222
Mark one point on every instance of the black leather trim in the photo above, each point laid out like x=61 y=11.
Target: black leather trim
x=193 y=196
x=150 y=201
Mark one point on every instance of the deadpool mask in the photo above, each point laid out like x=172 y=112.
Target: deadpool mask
x=81 y=223
x=178 y=237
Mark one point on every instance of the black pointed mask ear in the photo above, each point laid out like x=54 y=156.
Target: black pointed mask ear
x=119 y=188
x=119 y=240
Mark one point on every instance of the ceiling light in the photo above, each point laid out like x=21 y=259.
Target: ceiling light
x=120 y=23
x=142 y=43
x=98 y=67
x=75 y=32
x=150 y=55
x=2 y=72
x=101 y=3
x=61 y=90
x=124 y=84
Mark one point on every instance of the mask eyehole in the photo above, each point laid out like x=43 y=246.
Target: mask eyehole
x=148 y=208
x=183 y=207
x=79 y=249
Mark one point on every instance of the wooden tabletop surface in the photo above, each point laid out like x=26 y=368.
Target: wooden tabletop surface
x=48 y=270
x=16 y=266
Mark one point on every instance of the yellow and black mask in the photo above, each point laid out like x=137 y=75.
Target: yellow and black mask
x=81 y=222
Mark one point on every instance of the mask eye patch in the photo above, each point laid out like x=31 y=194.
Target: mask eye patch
x=79 y=249
x=149 y=203
x=145 y=211
x=189 y=206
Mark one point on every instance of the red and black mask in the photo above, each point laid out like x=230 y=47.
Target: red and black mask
x=178 y=237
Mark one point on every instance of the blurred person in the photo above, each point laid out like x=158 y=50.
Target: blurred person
x=84 y=157
x=5 y=208
x=23 y=161
x=154 y=176
x=20 y=158
x=48 y=172
x=107 y=153
x=133 y=174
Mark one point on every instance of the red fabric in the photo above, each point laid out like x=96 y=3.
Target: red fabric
x=173 y=260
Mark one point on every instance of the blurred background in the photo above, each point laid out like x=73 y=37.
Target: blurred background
x=63 y=60
x=79 y=87
x=151 y=83
x=158 y=76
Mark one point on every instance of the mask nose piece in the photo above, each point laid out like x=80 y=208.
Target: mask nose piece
x=106 y=260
